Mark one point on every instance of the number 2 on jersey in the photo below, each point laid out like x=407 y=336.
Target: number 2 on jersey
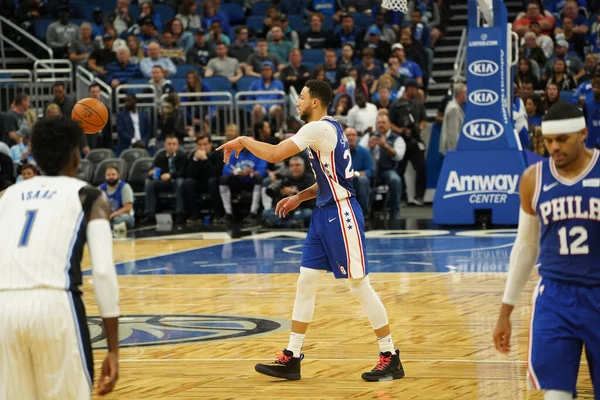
x=349 y=169
x=30 y=217
x=578 y=245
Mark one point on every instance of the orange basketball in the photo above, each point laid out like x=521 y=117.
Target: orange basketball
x=91 y=114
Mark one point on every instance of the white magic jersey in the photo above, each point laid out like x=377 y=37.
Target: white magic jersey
x=41 y=234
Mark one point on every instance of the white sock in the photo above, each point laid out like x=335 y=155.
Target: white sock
x=386 y=344
x=225 y=197
x=296 y=342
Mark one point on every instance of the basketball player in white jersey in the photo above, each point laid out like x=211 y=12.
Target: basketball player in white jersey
x=335 y=241
x=45 y=349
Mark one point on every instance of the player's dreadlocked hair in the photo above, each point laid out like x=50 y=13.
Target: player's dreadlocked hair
x=52 y=141
x=321 y=90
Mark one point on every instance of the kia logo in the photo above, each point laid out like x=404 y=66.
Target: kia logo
x=483 y=97
x=483 y=130
x=483 y=68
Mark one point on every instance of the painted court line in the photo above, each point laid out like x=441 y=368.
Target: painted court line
x=170 y=360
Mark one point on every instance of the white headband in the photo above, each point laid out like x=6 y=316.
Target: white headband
x=560 y=126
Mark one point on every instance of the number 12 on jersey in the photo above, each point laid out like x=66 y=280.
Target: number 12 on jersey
x=29 y=219
x=578 y=244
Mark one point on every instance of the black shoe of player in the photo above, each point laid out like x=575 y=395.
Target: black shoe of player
x=389 y=367
x=286 y=366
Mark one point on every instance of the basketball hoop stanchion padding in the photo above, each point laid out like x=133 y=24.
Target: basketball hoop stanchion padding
x=483 y=172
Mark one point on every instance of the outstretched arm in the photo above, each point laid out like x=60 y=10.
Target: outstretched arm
x=522 y=259
x=269 y=152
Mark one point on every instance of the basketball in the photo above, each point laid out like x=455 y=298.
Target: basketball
x=91 y=114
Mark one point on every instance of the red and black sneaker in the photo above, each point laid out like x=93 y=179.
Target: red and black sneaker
x=388 y=368
x=286 y=366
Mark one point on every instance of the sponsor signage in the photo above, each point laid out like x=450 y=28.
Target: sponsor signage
x=483 y=97
x=483 y=129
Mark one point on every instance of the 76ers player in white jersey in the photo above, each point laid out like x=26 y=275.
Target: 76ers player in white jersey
x=559 y=228
x=335 y=241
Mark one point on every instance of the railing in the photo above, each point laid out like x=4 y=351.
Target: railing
x=45 y=74
x=147 y=100
x=244 y=107
x=13 y=81
x=11 y=34
x=461 y=57
x=83 y=80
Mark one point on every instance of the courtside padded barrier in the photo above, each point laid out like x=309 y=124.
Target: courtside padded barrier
x=483 y=172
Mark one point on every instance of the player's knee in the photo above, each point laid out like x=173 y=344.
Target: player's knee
x=309 y=279
x=358 y=286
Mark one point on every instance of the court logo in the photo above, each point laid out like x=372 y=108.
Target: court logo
x=483 y=97
x=153 y=330
x=483 y=68
x=483 y=129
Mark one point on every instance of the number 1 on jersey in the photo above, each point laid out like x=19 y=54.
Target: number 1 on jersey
x=30 y=217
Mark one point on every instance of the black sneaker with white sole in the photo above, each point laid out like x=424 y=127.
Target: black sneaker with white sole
x=388 y=368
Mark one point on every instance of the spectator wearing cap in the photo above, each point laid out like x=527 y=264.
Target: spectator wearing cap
x=254 y=63
x=581 y=25
x=267 y=82
x=545 y=42
x=147 y=32
x=133 y=126
x=363 y=116
x=369 y=71
x=80 y=49
x=413 y=51
x=295 y=74
x=121 y=71
x=409 y=69
x=574 y=64
x=349 y=33
x=576 y=40
x=155 y=58
x=222 y=65
x=100 y=58
x=380 y=47
x=280 y=47
x=216 y=34
x=240 y=49
x=288 y=32
x=200 y=53
x=188 y=16
x=61 y=33
x=315 y=37
x=534 y=13
x=120 y=17
x=532 y=50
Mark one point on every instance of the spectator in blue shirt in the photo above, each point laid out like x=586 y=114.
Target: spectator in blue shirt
x=147 y=10
x=154 y=58
x=267 y=82
x=409 y=69
x=147 y=32
x=581 y=23
x=362 y=164
x=349 y=33
x=212 y=13
x=556 y=7
x=121 y=71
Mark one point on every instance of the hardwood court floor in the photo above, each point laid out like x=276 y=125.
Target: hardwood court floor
x=442 y=322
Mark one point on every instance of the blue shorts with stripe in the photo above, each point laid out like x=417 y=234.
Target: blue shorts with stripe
x=336 y=240
x=564 y=319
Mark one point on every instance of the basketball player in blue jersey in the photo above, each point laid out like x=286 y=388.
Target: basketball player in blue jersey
x=335 y=241
x=559 y=222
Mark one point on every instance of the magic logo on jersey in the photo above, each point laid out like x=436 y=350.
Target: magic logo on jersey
x=153 y=330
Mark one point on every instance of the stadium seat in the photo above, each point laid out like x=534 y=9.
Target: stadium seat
x=316 y=56
x=362 y=20
x=138 y=173
x=310 y=65
x=296 y=22
x=178 y=83
x=244 y=83
x=260 y=8
x=235 y=12
x=255 y=22
x=328 y=24
x=566 y=96
x=85 y=171
x=165 y=11
x=134 y=11
x=101 y=169
x=96 y=156
x=40 y=26
x=131 y=155
x=218 y=83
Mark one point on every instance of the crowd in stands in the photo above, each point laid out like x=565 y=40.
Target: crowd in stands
x=377 y=62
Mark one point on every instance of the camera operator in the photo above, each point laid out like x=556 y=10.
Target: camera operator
x=388 y=150
x=289 y=185
x=408 y=124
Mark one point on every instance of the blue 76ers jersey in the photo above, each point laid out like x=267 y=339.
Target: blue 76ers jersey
x=569 y=212
x=330 y=159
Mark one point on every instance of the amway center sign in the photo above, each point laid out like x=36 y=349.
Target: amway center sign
x=482 y=188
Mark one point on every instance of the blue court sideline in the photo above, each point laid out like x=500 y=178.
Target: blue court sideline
x=441 y=254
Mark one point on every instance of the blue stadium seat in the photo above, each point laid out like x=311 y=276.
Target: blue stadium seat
x=235 y=12
x=255 y=22
x=362 y=20
x=260 y=8
x=178 y=83
x=218 y=83
x=183 y=69
x=316 y=56
x=244 y=83
x=566 y=96
x=165 y=11
x=296 y=22
x=40 y=27
x=134 y=11
x=310 y=65
x=328 y=24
